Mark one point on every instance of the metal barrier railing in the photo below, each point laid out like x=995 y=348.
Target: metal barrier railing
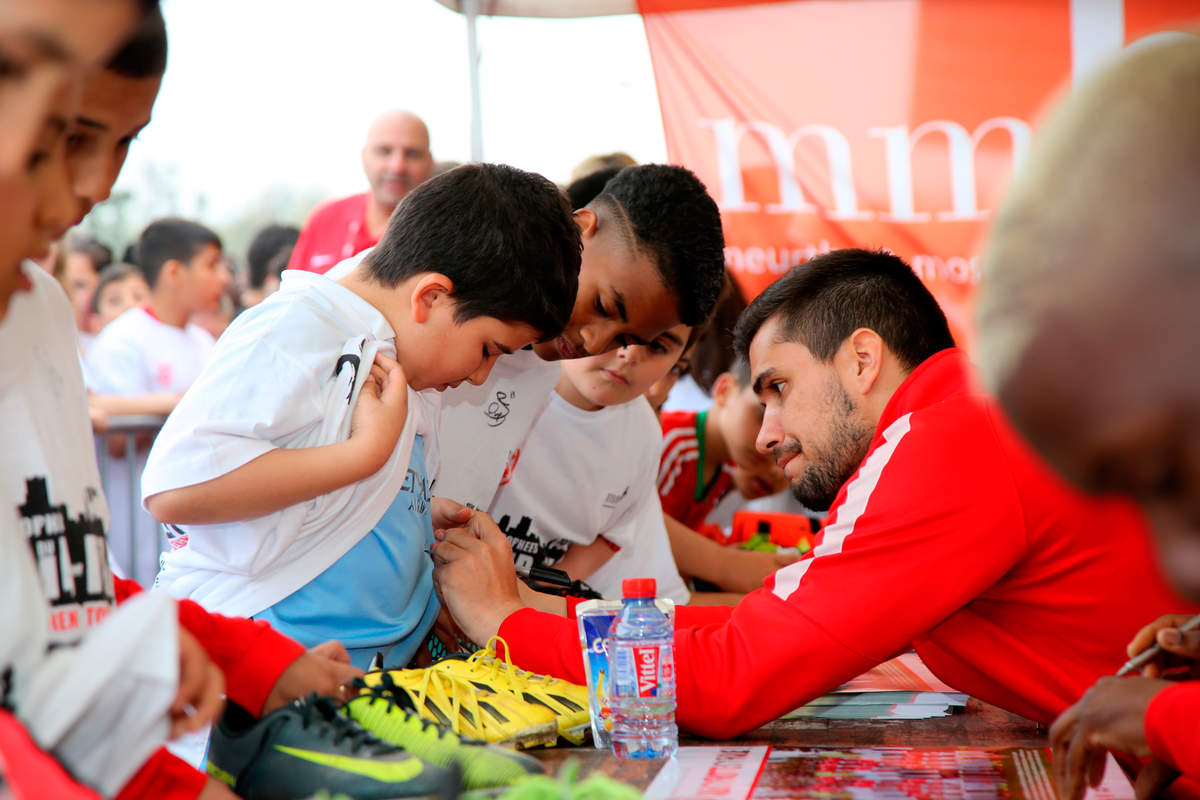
x=135 y=428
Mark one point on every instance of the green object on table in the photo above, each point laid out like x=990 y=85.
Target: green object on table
x=566 y=786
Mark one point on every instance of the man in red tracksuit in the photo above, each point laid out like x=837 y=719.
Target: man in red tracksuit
x=1087 y=334
x=944 y=532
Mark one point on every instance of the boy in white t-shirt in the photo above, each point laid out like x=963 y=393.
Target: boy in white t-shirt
x=154 y=350
x=294 y=471
x=582 y=497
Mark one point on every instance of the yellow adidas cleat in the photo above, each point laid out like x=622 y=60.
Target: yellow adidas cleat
x=487 y=672
x=458 y=705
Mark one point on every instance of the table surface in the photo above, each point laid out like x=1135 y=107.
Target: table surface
x=978 y=725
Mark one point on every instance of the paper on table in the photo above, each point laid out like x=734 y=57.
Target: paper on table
x=724 y=772
x=905 y=673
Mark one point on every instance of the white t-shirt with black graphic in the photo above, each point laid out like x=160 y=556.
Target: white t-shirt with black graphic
x=584 y=474
x=94 y=694
x=286 y=373
x=483 y=428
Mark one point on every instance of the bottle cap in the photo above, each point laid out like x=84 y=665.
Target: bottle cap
x=639 y=587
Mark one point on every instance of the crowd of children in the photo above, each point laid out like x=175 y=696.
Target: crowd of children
x=355 y=468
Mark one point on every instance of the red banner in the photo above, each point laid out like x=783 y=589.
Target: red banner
x=871 y=123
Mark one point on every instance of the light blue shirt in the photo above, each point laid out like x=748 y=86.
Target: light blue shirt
x=379 y=596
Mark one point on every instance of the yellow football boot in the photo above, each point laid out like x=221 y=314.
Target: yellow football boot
x=458 y=705
x=487 y=672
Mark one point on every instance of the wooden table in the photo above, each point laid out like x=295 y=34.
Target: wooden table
x=979 y=725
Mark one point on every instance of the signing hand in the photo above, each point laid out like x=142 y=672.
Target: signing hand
x=325 y=669
x=1110 y=716
x=1180 y=648
x=379 y=414
x=201 y=688
x=474 y=575
x=446 y=513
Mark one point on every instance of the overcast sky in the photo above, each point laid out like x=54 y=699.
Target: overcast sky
x=270 y=93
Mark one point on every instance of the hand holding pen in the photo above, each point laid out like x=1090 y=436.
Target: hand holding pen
x=1172 y=640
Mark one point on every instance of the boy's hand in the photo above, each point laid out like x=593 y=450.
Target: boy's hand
x=325 y=669
x=201 y=688
x=1180 y=648
x=1110 y=716
x=473 y=572
x=215 y=790
x=380 y=411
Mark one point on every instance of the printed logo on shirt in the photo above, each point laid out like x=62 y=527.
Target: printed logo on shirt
x=71 y=558
x=497 y=410
x=611 y=500
x=163 y=374
x=509 y=468
x=529 y=549
x=418 y=491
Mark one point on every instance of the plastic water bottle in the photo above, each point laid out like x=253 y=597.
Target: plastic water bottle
x=641 y=651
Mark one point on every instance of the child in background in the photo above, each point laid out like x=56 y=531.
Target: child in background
x=294 y=472
x=707 y=454
x=154 y=349
x=581 y=496
x=120 y=288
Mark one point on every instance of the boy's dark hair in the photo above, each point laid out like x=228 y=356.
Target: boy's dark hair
x=584 y=190
x=170 y=239
x=97 y=252
x=666 y=212
x=111 y=274
x=506 y=238
x=825 y=299
x=714 y=349
x=266 y=249
x=144 y=54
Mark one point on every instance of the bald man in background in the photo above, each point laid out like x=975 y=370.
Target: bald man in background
x=396 y=158
x=1089 y=326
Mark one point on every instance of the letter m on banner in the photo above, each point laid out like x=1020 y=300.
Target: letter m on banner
x=819 y=124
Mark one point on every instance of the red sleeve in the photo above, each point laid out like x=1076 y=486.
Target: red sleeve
x=549 y=644
x=164 y=777
x=1173 y=727
x=125 y=589
x=251 y=653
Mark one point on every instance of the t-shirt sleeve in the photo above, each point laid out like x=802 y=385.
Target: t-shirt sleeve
x=250 y=399
x=1173 y=727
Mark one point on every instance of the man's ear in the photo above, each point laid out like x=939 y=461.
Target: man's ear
x=431 y=290
x=587 y=221
x=859 y=360
x=724 y=388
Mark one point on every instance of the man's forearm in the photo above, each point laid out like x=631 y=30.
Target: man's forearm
x=273 y=481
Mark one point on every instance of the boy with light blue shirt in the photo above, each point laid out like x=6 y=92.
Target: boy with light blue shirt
x=294 y=474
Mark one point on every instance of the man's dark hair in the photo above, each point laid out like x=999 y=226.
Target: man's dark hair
x=665 y=211
x=144 y=54
x=97 y=252
x=170 y=239
x=264 y=255
x=506 y=238
x=824 y=300
x=111 y=274
x=584 y=190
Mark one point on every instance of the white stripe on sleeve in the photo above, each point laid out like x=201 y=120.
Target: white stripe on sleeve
x=858 y=494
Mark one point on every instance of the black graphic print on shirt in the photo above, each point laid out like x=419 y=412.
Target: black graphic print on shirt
x=529 y=549
x=71 y=555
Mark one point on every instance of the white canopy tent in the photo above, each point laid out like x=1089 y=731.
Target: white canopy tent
x=472 y=9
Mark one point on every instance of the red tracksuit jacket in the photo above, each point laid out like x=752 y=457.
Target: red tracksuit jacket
x=951 y=538
x=1173 y=727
